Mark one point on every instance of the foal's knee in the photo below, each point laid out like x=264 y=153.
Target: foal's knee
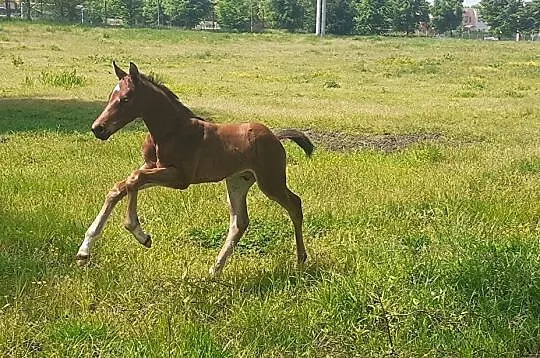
x=116 y=194
x=135 y=180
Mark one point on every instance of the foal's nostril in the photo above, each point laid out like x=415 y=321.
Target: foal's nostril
x=99 y=132
x=98 y=129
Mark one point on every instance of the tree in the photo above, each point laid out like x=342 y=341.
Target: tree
x=503 y=16
x=65 y=10
x=152 y=12
x=97 y=11
x=286 y=14
x=407 y=14
x=371 y=17
x=530 y=16
x=27 y=9
x=187 y=13
x=340 y=17
x=234 y=14
x=447 y=14
x=131 y=11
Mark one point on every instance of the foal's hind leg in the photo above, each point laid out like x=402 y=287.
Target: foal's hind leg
x=237 y=188
x=272 y=182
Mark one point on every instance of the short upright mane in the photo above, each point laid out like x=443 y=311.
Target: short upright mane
x=172 y=96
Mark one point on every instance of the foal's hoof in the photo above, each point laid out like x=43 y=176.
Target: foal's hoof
x=214 y=272
x=82 y=260
x=148 y=242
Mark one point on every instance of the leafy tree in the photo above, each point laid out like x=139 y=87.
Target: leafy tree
x=371 y=17
x=286 y=14
x=186 y=13
x=503 y=16
x=340 y=17
x=131 y=11
x=27 y=9
x=308 y=21
x=65 y=10
x=447 y=14
x=96 y=11
x=530 y=16
x=152 y=12
x=235 y=14
x=407 y=14
x=93 y=11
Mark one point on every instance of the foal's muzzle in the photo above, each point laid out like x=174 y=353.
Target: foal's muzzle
x=100 y=132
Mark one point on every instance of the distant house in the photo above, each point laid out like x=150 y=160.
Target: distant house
x=13 y=6
x=471 y=20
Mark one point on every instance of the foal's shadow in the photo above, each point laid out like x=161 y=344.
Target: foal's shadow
x=285 y=275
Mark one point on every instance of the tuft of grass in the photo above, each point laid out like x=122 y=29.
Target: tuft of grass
x=331 y=84
x=64 y=79
x=17 y=61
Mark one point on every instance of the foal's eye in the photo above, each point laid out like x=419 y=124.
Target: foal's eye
x=124 y=100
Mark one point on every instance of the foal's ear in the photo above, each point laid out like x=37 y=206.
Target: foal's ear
x=133 y=71
x=119 y=72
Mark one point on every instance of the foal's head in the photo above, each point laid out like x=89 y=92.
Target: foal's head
x=124 y=105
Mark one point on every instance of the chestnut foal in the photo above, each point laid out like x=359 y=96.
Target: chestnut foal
x=182 y=149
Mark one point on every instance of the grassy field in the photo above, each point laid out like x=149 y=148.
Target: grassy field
x=429 y=250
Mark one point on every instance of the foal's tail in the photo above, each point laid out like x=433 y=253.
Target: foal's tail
x=298 y=137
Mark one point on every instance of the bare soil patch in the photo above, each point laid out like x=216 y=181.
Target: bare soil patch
x=340 y=141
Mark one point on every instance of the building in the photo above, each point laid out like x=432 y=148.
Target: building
x=471 y=20
x=13 y=7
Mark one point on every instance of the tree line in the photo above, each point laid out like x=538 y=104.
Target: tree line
x=362 y=17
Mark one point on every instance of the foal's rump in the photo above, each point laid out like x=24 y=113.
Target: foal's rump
x=253 y=137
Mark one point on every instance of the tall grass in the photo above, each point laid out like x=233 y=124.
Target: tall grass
x=432 y=249
x=64 y=79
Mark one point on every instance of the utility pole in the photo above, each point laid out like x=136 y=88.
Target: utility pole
x=323 y=18
x=320 y=19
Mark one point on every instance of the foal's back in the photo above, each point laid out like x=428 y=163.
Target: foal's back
x=231 y=148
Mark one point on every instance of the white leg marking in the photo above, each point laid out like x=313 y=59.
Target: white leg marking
x=237 y=188
x=95 y=230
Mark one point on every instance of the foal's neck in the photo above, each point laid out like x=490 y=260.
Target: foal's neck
x=164 y=118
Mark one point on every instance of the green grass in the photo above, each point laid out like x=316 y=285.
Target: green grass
x=431 y=250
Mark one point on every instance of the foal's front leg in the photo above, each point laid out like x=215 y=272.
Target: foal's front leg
x=145 y=178
x=95 y=230
x=116 y=194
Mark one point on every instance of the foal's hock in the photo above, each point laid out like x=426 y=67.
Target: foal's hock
x=182 y=149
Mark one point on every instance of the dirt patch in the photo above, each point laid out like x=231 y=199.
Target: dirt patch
x=340 y=141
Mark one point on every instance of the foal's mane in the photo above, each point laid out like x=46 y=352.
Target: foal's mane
x=170 y=94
